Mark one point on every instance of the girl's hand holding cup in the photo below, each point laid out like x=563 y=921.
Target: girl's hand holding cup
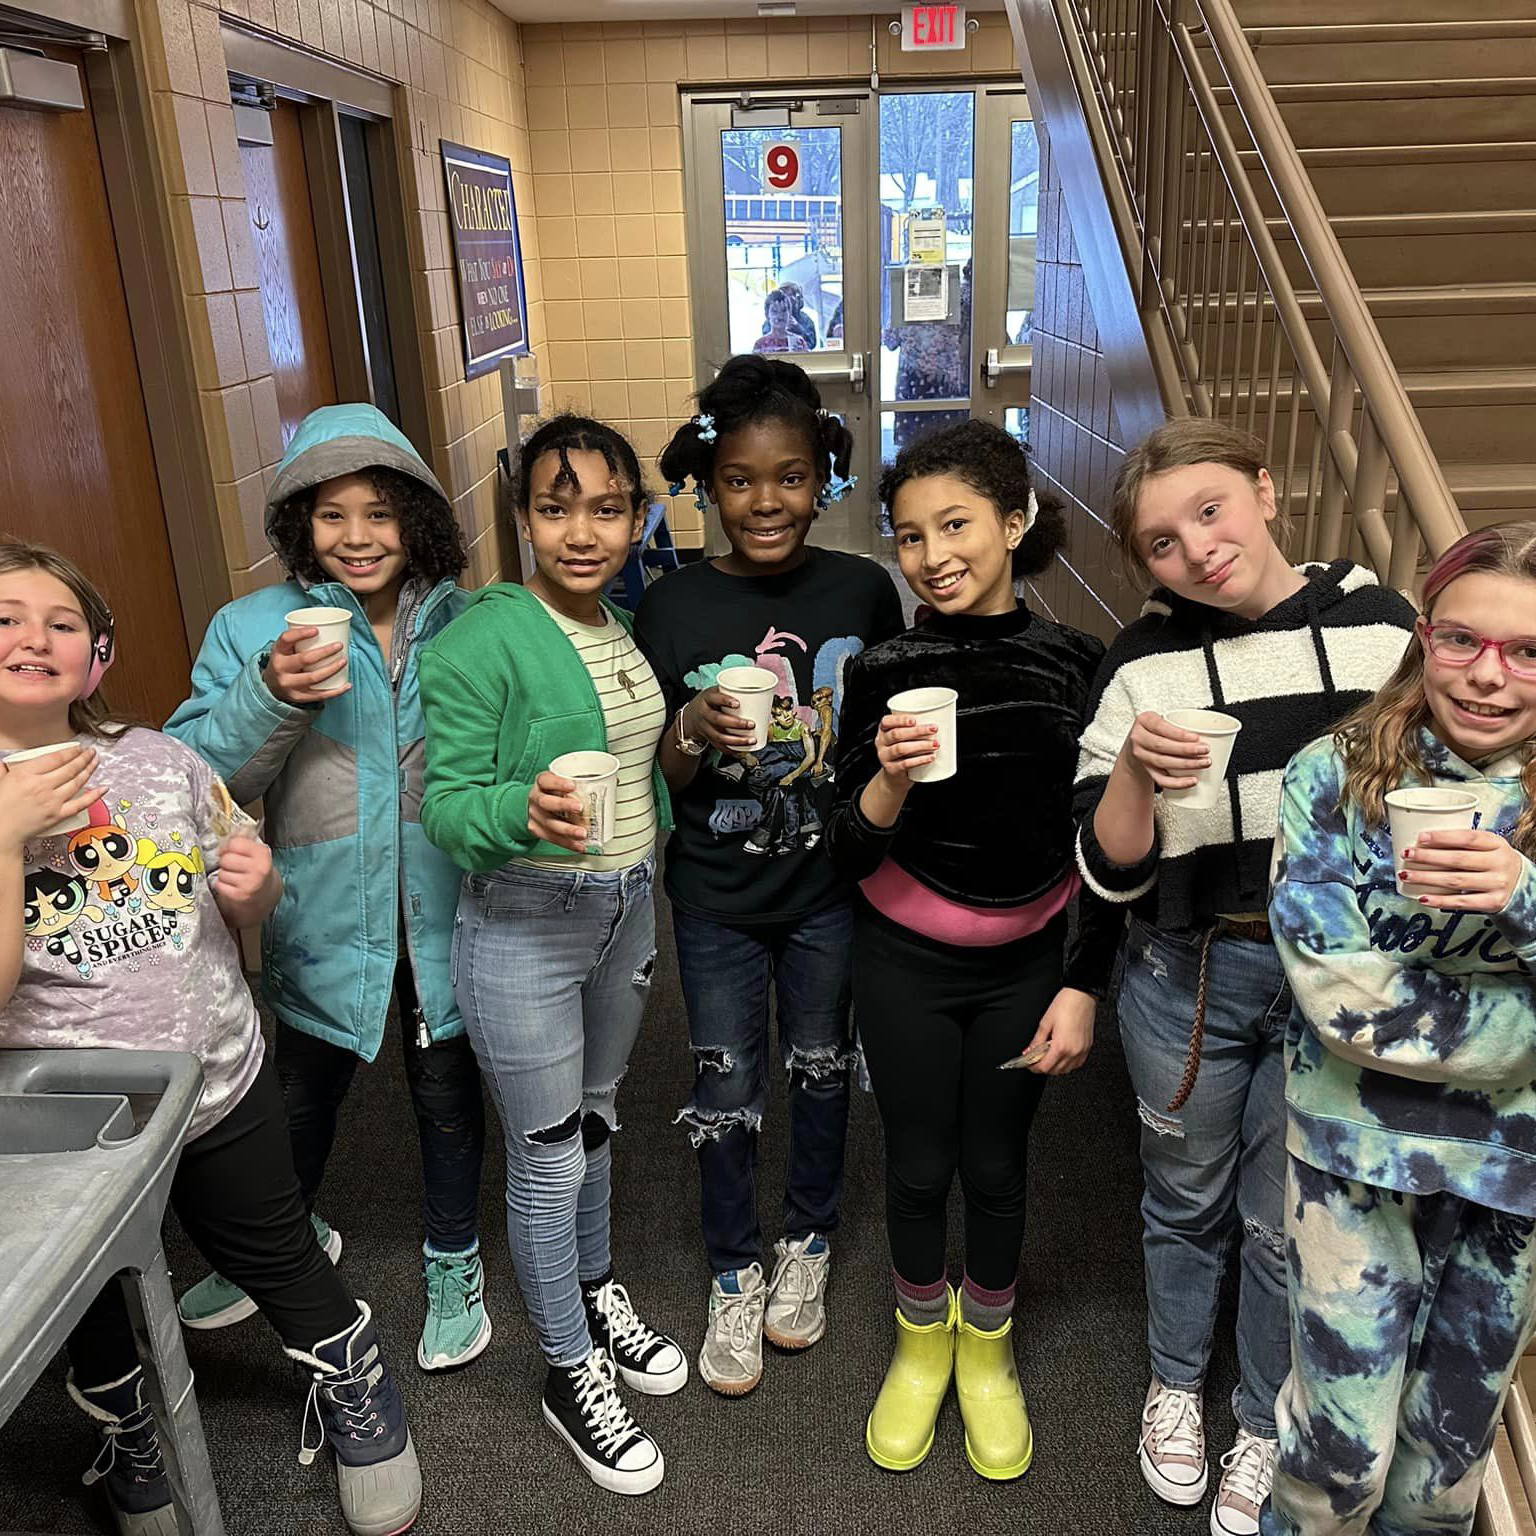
x=714 y=716
x=1462 y=870
x=557 y=814
x=903 y=744
x=40 y=792
x=1165 y=754
x=300 y=677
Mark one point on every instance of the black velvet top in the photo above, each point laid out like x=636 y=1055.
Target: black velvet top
x=1000 y=832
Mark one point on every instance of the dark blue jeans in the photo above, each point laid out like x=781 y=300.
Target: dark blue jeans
x=725 y=974
x=444 y=1081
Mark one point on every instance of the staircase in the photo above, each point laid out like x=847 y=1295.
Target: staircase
x=1324 y=215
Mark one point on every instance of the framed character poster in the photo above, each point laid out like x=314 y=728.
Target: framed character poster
x=487 y=257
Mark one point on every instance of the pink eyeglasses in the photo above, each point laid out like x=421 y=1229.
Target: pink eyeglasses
x=1458 y=646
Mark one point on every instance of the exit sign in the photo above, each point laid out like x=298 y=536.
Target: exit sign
x=928 y=28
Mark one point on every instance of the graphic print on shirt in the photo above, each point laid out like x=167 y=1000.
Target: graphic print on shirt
x=85 y=907
x=777 y=795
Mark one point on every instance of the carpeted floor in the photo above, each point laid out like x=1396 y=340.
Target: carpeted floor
x=790 y=1457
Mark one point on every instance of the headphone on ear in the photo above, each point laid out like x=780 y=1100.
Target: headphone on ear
x=103 y=654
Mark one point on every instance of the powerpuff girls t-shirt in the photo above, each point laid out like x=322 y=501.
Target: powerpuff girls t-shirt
x=125 y=946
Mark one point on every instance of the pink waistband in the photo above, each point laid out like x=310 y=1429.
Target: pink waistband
x=893 y=893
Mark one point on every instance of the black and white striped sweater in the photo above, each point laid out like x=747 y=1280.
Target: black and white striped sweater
x=1289 y=676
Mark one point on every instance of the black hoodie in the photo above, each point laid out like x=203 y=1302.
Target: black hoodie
x=1289 y=676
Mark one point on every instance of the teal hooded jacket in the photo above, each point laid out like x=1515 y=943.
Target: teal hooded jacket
x=341 y=782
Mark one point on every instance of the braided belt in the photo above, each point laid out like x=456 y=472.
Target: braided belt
x=1256 y=930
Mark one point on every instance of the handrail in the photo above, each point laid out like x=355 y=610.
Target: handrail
x=1336 y=432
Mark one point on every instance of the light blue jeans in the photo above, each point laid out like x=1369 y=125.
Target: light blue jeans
x=552 y=969
x=1214 y=1169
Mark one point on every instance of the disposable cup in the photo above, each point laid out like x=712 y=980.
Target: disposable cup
x=753 y=688
x=1413 y=812
x=596 y=777
x=1218 y=731
x=334 y=625
x=70 y=823
x=931 y=706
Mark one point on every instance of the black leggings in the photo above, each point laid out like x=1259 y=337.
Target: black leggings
x=238 y=1199
x=935 y=1024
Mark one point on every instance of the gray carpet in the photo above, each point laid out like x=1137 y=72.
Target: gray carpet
x=789 y=1457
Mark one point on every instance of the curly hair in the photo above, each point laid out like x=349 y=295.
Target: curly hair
x=434 y=545
x=995 y=464
x=750 y=389
x=92 y=716
x=569 y=433
x=1379 y=742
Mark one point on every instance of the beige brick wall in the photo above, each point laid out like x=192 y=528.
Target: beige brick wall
x=460 y=63
x=1072 y=427
x=605 y=130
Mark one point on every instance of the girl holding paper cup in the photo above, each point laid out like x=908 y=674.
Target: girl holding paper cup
x=1410 y=1210
x=305 y=695
x=543 y=720
x=960 y=959
x=1267 y=656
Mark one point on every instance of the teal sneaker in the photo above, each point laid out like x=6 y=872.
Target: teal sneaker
x=457 y=1327
x=215 y=1302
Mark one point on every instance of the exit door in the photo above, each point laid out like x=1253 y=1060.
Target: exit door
x=902 y=225
x=77 y=471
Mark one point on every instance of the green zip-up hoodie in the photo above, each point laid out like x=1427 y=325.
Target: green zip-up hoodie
x=504 y=694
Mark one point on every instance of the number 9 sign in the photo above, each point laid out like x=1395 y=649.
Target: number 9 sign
x=781 y=168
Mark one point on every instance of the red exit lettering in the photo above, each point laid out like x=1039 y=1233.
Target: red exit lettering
x=933 y=26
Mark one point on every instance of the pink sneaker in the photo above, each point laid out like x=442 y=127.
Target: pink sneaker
x=1173 y=1444
x=1247 y=1471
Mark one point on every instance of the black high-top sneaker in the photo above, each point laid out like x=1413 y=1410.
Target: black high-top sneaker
x=361 y=1414
x=583 y=1407
x=648 y=1361
x=129 y=1463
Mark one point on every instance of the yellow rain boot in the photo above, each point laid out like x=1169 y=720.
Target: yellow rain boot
x=998 y=1441
x=900 y=1429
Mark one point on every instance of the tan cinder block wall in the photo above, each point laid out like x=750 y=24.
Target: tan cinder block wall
x=460 y=63
x=1072 y=427
x=605 y=129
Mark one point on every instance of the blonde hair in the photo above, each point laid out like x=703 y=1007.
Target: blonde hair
x=1178 y=444
x=1379 y=742
x=87 y=717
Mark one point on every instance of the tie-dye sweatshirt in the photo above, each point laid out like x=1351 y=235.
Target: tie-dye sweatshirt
x=126 y=946
x=1411 y=1059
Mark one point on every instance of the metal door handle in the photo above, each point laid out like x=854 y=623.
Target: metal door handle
x=856 y=373
x=993 y=368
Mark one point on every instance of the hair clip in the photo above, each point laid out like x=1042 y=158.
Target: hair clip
x=700 y=498
x=677 y=488
x=838 y=488
x=706 y=429
x=1031 y=510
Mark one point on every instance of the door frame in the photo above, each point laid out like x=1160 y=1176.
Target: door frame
x=325 y=92
x=114 y=78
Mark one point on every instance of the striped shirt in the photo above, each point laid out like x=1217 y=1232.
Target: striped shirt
x=635 y=716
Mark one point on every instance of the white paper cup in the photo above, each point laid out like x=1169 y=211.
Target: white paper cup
x=1219 y=731
x=753 y=688
x=72 y=823
x=335 y=625
x=1412 y=812
x=931 y=706
x=596 y=777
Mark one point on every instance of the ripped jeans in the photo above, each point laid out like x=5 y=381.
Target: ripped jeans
x=725 y=975
x=1215 y=1169
x=552 y=969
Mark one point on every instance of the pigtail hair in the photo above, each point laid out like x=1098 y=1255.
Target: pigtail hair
x=1038 y=549
x=834 y=449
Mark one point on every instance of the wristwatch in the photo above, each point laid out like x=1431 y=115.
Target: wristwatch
x=686 y=744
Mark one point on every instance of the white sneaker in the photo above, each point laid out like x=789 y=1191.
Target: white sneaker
x=731 y=1360
x=1247 y=1471
x=1173 y=1444
x=797 y=1294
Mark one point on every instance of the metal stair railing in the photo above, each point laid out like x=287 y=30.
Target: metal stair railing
x=1341 y=435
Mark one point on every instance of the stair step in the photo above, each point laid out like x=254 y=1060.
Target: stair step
x=1492 y=488
x=1349 y=117
x=1418 y=90
x=1297 y=13
x=1297 y=55
x=1450 y=179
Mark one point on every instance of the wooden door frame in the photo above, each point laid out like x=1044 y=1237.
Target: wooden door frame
x=325 y=91
x=138 y=202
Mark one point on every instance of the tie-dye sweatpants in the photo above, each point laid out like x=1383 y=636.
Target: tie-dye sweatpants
x=1408 y=1315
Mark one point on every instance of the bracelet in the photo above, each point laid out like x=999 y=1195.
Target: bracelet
x=685 y=744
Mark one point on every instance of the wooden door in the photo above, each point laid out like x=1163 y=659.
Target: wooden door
x=76 y=468
x=288 y=261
